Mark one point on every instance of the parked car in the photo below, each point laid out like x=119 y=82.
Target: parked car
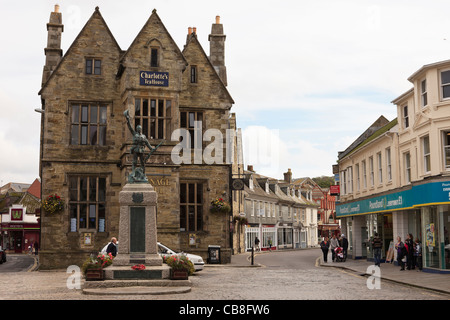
x=2 y=255
x=167 y=252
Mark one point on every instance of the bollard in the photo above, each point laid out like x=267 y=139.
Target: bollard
x=253 y=249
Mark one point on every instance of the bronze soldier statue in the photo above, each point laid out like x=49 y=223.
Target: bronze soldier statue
x=138 y=151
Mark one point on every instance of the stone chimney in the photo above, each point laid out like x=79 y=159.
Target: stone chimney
x=217 y=49
x=288 y=176
x=53 y=51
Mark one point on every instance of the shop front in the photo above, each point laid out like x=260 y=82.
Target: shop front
x=421 y=210
x=18 y=237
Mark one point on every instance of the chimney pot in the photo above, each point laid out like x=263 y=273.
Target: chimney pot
x=56 y=7
x=194 y=30
x=189 y=30
x=217 y=19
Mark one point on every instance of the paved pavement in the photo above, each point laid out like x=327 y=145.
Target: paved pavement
x=433 y=281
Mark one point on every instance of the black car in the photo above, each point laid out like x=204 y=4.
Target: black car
x=2 y=255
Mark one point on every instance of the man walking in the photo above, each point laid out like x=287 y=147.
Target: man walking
x=377 y=244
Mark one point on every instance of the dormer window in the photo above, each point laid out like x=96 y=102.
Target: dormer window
x=267 y=187
x=250 y=183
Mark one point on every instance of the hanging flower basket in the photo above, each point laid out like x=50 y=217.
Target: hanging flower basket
x=243 y=221
x=218 y=205
x=53 y=204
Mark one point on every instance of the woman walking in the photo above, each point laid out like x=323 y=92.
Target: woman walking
x=325 y=245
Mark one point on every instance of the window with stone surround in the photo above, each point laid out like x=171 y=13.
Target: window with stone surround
x=93 y=66
x=194 y=74
x=187 y=121
x=154 y=116
x=191 y=206
x=88 y=124
x=87 y=203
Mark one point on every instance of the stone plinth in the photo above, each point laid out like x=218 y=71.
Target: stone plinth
x=137 y=226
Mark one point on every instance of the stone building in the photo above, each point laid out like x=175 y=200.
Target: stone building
x=85 y=143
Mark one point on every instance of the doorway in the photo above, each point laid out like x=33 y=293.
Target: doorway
x=17 y=241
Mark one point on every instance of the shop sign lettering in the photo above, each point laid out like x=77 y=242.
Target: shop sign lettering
x=152 y=78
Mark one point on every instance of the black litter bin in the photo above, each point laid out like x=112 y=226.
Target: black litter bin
x=213 y=254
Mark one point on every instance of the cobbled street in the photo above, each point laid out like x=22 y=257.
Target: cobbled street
x=289 y=275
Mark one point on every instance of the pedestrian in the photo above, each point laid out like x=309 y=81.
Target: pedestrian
x=112 y=247
x=344 y=245
x=409 y=245
x=325 y=245
x=377 y=245
x=257 y=244
x=270 y=244
x=401 y=252
x=36 y=248
x=334 y=243
x=418 y=254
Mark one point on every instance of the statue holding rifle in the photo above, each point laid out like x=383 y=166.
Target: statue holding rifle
x=140 y=141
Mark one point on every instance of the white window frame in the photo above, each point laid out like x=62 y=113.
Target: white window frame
x=380 y=168
x=388 y=164
x=364 y=168
x=358 y=177
x=443 y=84
x=423 y=93
x=371 y=172
x=446 y=149
x=426 y=155
x=405 y=117
x=407 y=163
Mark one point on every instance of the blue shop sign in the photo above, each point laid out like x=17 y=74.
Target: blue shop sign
x=420 y=195
x=152 y=78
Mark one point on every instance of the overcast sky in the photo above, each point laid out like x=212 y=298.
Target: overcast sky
x=307 y=77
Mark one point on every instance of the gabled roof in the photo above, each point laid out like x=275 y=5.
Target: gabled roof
x=379 y=123
x=35 y=189
x=154 y=16
x=375 y=135
x=192 y=40
x=95 y=15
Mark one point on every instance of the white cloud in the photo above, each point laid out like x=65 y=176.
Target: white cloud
x=334 y=65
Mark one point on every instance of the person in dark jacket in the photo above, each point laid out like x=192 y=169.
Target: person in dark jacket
x=325 y=245
x=418 y=254
x=377 y=244
x=112 y=247
x=409 y=244
x=400 y=253
x=344 y=245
